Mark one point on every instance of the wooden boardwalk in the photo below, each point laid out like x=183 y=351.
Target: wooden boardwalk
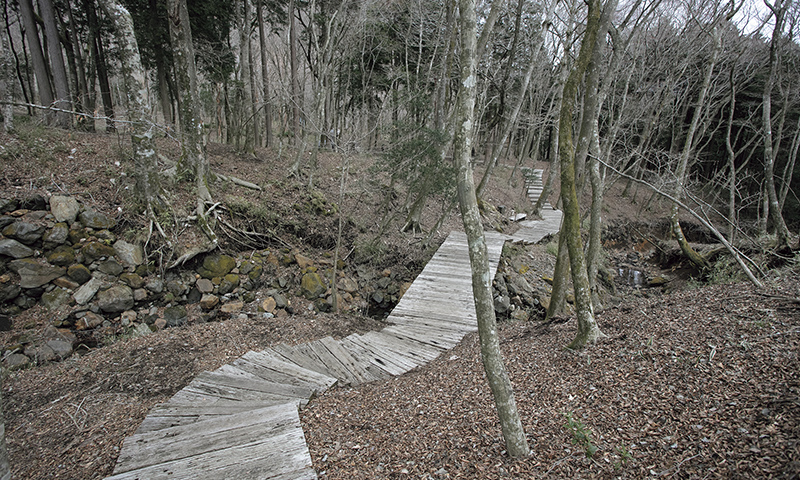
x=241 y=421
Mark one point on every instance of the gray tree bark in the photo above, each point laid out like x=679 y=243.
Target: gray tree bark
x=247 y=125
x=779 y=9
x=265 y=76
x=37 y=56
x=138 y=106
x=516 y=443
x=60 y=82
x=193 y=148
x=588 y=331
x=7 y=85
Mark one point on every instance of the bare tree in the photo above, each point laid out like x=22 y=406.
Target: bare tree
x=37 y=56
x=7 y=85
x=59 y=72
x=516 y=443
x=135 y=88
x=588 y=331
x=779 y=9
x=193 y=148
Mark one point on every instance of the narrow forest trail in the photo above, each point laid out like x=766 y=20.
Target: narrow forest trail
x=241 y=421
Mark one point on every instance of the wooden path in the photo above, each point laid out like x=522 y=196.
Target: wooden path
x=241 y=421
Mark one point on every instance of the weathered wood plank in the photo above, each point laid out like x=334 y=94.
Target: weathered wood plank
x=418 y=351
x=268 y=368
x=365 y=373
x=261 y=444
x=367 y=353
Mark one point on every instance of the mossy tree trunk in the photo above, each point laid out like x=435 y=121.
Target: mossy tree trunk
x=588 y=331
x=779 y=9
x=6 y=85
x=516 y=443
x=193 y=148
x=138 y=106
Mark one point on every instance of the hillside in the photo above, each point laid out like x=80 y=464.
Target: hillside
x=688 y=383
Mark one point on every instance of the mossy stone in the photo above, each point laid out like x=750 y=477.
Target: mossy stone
x=61 y=256
x=216 y=266
x=312 y=285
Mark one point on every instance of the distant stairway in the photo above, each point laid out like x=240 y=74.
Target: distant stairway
x=241 y=421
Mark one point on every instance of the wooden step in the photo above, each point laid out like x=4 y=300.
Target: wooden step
x=275 y=370
x=266 y=443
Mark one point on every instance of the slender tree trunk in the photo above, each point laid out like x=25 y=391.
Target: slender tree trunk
x=265 y=76
x=17 y=64
x=732 y=222
x=98 y=52
x=82 y=94
x=588 y=331
x=60 y=81
x=295 y=81
x=138 y=106
x=247 y=125
x=779 y=10
x=683 y=161
x=516 y=443
x=6 y=86
x=37 y=56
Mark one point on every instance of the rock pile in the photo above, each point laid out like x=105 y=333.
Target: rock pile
x=66 y=257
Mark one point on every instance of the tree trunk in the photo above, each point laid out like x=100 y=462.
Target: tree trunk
x=265 y=76
x=246 y=114
x=37 y=56
x=138 y=106
x=98 y=52
x=683 y=161
x=6 y=86
x=295 y=100
x=775 y=214
x=193 y=155
x=516 y=443
x=60 y=81
x=588 y=331
x=82 y=94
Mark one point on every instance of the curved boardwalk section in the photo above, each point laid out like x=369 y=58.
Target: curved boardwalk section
x=241 y=421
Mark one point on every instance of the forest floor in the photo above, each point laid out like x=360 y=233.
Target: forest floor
x=701 y=381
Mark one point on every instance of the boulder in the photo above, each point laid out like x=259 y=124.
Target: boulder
x=132 y=280
x=269 y=305
x=303 y=261
x=280 y=300
x=502 y=304
x=155 y=285
x=347 y=285
x=88 y=321
x=97 y=220
x=56 y=235
x=62 y=256
x=208 y=301
x=12 y=248
x=175 y=316
x=84 y=294
x=65 y=282
x=8 y=205
x=110 y=267
x=55 y=298
x=25 y=232
x=216 y=266
x=228 y=284
x=34 y=274
x=79 y=272
x=129 y=254
x=64 y=208
x=312 y=285
x=204 y=285
x=9 y=291
x=96 y=250
x=232 y=307
x=5 y=323
x=16 y=361
x=115 y=299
